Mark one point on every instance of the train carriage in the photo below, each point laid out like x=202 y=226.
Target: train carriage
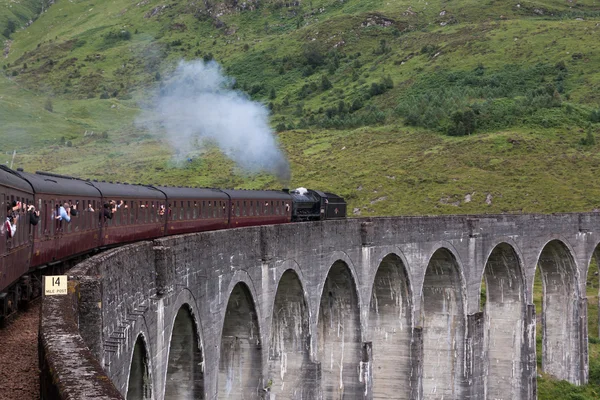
x=15 y=250
x=194 y=209
x=55 y=239
x=107 y=214
x=259 y=207
x=135 y=215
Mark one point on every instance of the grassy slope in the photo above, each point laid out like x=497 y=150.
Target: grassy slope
x=532 y=164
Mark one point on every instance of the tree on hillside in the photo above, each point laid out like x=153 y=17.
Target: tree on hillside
x=325 y=84
x=313 y=55
x=10 y=28
x=589 y=139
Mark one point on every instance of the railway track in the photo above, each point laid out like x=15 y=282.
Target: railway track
x=19 y=374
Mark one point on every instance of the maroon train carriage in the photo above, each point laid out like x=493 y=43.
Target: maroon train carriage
x=140 y=213
x=259 y=207
x=55 y=240
x=15 y=250
x=136 y=216
x=194 y=209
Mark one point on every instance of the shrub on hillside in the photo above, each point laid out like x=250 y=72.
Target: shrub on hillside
x=113 y=37
x=10 y=28
x=589 y=139
x=313 y=55
x=496 y=100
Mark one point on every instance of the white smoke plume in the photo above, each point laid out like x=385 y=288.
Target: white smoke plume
x=197 y=105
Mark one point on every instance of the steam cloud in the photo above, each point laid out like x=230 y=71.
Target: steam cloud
x=197 y=105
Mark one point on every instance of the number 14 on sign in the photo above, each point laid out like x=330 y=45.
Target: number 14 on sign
x=56 y=284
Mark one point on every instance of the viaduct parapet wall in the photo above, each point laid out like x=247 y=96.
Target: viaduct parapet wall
x=384 y=308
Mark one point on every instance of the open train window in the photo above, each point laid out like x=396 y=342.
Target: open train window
x=116 y=219
x=132 y=213
x=181 y=211
x=39 y=225
x=52 y=217
x=69 y=225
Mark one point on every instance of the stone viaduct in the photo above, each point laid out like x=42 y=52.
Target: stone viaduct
x=383 y=308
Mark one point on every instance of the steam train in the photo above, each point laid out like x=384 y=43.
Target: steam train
x=38 y=241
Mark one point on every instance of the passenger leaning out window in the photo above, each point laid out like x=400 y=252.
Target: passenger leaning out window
x=64 y=213
x=34 y=216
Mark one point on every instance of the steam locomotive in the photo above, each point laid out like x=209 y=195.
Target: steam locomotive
x=37 y=239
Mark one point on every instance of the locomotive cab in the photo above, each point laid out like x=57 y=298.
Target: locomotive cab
x=314 y=205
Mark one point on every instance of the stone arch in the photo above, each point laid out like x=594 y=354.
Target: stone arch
x=503 y=327
x=560 y=322
x=443 y=320
x=291 y=371
x=390 y=330
x=339 y=335
x=592 y=281
x=139 y=385
x=240 y=362
x=185 y=368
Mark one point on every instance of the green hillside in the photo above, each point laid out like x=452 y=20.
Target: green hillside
x=402 y=107
x=426 y=108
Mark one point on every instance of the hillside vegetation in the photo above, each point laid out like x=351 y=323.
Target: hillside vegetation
x=426 y=107
x=402 y=107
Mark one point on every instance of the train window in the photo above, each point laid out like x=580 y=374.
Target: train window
x=86 y=214
x=68 y=225
x=174 y=211
x=116 y=219
x=244 y=209
x=125 y=213
x=181 y=210
x=132 y=213
x=45 y=217
x=39 y=225
x=52 y=218
x=237 y=208
x=195 y=211
x=3 y=208
x=151 y=211
x=188 y=210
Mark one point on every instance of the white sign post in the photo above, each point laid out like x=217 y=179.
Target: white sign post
x=54 y=285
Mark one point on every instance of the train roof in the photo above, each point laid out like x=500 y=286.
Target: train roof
x=48 y=183
x=12 y=179
x=257 y=194
x=191 y=193
x=119 y=191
